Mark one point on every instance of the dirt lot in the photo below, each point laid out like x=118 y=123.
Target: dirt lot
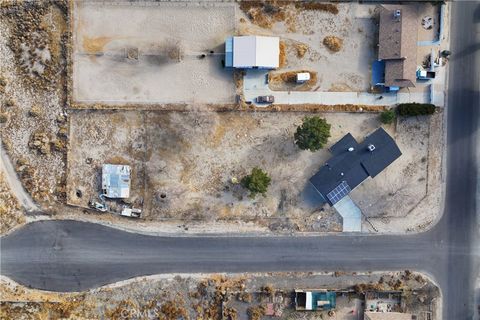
x=183 y=165
x=303 y=32
x=168 y=69
x=216 y=296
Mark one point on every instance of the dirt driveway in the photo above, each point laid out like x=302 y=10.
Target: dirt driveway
x=149 y=52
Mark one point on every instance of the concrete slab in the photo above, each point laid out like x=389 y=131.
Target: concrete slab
x=351 y=214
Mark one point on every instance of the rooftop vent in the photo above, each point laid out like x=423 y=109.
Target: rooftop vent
x=371 y=147
x=397 y=14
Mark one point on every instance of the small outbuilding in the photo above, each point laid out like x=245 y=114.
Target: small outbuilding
x=116 y=180
x=321 y=300
x=252 y=52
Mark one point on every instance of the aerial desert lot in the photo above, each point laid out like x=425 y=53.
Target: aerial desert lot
x=239 y=160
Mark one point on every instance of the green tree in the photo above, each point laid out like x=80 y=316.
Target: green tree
x=256 y=182
x=313 y=134
x=387 y=116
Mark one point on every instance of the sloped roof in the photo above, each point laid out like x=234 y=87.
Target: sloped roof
x=400 y=73
x=398 y=44
x=353 y=167
x=256 y=51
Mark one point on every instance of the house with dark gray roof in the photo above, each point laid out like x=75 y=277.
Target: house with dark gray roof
x=397 y=45
x=350 y=165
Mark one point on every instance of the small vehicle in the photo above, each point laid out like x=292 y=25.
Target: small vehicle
x=265 y=99
x=131 y=212
x=98 y=206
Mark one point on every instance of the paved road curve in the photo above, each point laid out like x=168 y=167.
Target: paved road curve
x=69 y=255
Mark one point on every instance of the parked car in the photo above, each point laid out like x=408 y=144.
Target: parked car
x=265 y=99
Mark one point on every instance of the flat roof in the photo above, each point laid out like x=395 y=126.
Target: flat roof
x=256 y=51
x=116 y=180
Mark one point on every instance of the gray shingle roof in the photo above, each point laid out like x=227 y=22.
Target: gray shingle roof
x=353 y=167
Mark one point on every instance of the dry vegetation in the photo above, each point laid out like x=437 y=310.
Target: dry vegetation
x=207 y=297
x=313 y=5
x=33 y=44
x=333 y=43
x=301 y=49
x=11 y=214
x=283 y=55
x=288 y=81
x=266 y=13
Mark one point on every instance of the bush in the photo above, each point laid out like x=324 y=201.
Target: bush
x=256 y=182
x=3 y=117
x=415 y=109
x=256 y=312
x=387 y=116
x=333 y=43
x=313 y=134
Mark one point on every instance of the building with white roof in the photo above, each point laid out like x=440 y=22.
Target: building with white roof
x=252 y=52
x=116 y=180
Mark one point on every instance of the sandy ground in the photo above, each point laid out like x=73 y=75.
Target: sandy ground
x=183 y=164
x=201 y=296
x=346 y=70
x=103 y=31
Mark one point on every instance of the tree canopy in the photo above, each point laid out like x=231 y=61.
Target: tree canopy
x=387 y=116
x=256 y=182
x=313 y=134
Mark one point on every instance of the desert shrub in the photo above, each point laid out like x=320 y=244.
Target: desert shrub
x=333 y=43
x=313 y=134
x=256 y=313
x=415 y=109
x=387 y=116
x=315 y=5
x=3 y=117
x=256 y=182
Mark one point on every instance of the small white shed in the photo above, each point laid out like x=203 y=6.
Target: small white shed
x=116 y=180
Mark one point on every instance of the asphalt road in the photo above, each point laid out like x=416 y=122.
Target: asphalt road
x=72 y=256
